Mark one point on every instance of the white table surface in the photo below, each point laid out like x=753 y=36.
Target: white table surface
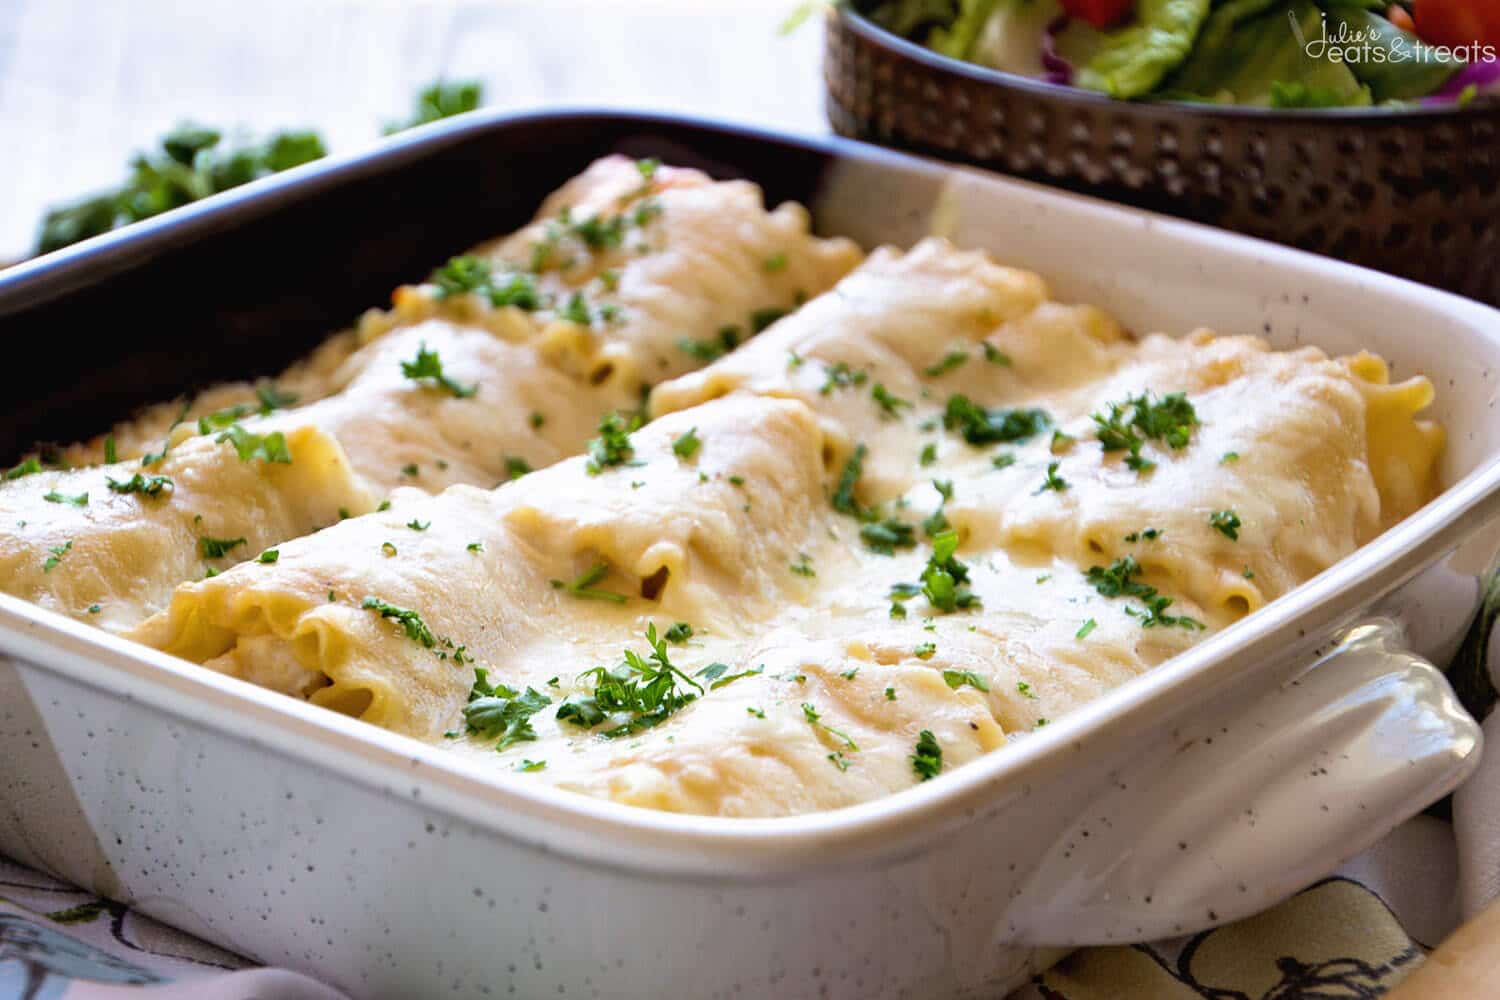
x=84 y=83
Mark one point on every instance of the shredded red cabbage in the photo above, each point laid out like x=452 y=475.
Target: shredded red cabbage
x=1056 y=68
x=1484 y=76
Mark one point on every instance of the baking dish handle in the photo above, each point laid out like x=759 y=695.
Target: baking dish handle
x=1247 y=803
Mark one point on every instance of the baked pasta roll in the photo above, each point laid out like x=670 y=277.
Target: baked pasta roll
x=107 y=544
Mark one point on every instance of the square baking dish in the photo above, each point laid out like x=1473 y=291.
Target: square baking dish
x=1201 y=792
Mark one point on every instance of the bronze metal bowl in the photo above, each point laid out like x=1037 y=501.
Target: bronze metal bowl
x=1414 y=192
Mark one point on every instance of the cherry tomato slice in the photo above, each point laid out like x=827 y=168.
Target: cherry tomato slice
x=1457 y=23
x=1099 y=13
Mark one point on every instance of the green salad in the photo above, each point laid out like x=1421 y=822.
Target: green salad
x=1270 y=53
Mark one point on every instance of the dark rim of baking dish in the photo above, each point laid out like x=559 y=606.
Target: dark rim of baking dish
x=1061 y=93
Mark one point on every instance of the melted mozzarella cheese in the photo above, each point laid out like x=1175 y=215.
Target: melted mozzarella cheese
x=778 y=520
x=658 y=261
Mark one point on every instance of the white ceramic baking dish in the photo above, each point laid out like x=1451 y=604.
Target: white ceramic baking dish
x=1206 y=790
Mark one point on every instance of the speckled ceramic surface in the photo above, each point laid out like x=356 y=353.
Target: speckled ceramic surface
x=1203 y=791
x=1415 y=193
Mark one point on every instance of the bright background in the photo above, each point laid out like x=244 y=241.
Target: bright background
x=86 y=83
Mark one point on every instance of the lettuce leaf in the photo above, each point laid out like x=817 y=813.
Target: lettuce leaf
x=1132 y=61
x=1408 y=68
x=1250 y=54
x=957 y=40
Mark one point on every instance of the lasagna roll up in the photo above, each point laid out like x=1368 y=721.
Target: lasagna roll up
x=512 y=357
x=384 y=616
x=108 y=544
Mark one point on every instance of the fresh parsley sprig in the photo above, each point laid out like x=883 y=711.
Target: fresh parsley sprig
x=646 y=688
x=427 y=365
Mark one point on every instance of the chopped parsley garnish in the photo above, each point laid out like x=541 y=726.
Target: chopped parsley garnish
x=1226 y=523
x=838 y=760
x=475 y=547
x=843 y=496
x=526 y=764
x=947 y=363
x=1061 y=443
x=937 y=522
x=110 y=455
x=717 y=676
x=686 y=446
x=152 y=457
x=981 y=426
x=925 y=651
x=612 y=446
x=849 y=674
x=958 y=678
x=219 y=419
x=249 y=445
x=29 y=467
x=271 y=398
x=268 y=556
x=759 y=713
x=416 y=525
x=1053 y=482
x=411 y=470
x=711 y=349
x=802 y=567
x=217 y=548
x=841 y=376
x=945 y=581
x=646 y=687
x=890 y=406
x=57 y=553
x=516 y=467
x=78 y=500
x=498 y=711
x=928 y=455
x=1229 y=456
x=427 y=364
x=94 y=609
x=147 y=486
x=890 y=694
x=644 y=212
x=762 y=318
x=385 y=505
x=680 y=632
x=1025 y=690
x=1127 y=425
x=1119 y=580
x=994 y=355
x=582 y=586
x=1085 y=629
x=885 y=537
x=1249 y=573
x=576 y=310
x=537 y=420
x=816 y=721
x=410 y=621
x=1150 y=535
x=1004 y=460
x=388 y=549
x=597 y=232
x=927 y=761
x=775 y=262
